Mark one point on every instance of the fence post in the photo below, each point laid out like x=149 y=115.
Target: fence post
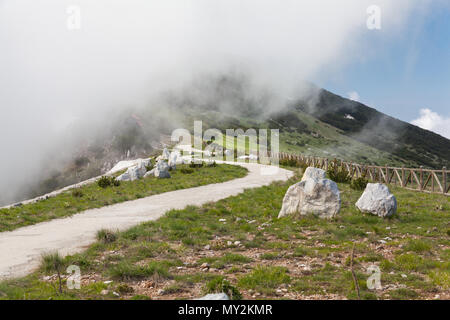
x=444 y=177
x=387 y=175
x=403 y=177
x=421 y=178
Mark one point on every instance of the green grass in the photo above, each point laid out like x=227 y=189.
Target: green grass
x=93 y=196
x=305 y=257
x=265 y=279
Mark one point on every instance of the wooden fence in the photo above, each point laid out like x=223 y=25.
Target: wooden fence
x=423 y=180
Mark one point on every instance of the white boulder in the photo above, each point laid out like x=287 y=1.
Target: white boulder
x=165 y=154
x=377 y=200
x=162 y=170
x=124 y=177
x=313 y=173
x=173 y=160
x=150 y=173
x=215 y=296
x=320 y=197
x=135 y=172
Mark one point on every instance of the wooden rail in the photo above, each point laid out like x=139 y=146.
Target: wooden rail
x=418 y=179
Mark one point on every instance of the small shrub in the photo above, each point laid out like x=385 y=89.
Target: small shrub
x=104 y=182
x=53 y=262
x=338 y=174
x=294 y=163
x=77 y=193
x=220 y=284
x=124 y=289
x=264 y=278
x=417 y=246
x=115 y=182
x=359 y=184
x=174 y=288
x=212 y=164
x=196 y=165
x=106 y=236
x=187 y=170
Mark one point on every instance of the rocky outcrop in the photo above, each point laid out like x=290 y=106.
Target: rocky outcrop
x=377 y=200
x=162 y=170
x=165 y=154
x=173 y=160
x=136 y=172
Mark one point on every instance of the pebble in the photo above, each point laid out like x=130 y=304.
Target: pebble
x=222 y=220
x=104 y=292
x=107 y=282
x=207 y=247
x=404 y=276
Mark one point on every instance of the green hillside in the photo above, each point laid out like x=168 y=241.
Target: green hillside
x=380 y=131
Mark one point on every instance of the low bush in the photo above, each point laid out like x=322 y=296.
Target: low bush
x=186 y=170
x=359 y=184
x=220 y=284
x=106 y=236
x=196 y=165
x=296 y=163
x=77 y=193
x=338 y=174
x=105 y=182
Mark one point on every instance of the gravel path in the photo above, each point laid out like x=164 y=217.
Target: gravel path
x=21 y=249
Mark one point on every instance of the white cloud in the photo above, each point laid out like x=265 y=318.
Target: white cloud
x=432 y=121
x=128 y=50
x=353 y=95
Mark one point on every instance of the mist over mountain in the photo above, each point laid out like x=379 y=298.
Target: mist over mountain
x=76 y=94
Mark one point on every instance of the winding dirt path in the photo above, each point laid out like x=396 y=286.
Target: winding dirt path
x=21 y=249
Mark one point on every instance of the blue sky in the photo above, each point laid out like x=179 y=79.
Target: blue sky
x=405 y=74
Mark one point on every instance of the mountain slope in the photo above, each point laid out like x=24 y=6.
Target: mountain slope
x=380 y=131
